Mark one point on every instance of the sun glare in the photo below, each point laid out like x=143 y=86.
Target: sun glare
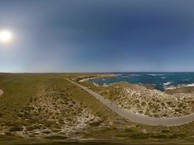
x=5 y=36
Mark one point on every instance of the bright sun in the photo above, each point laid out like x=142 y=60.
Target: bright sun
x=5 y=36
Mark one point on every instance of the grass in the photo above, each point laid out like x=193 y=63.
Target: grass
x=20 y=89
x=96 y=142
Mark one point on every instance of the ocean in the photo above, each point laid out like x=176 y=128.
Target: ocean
x=161 y=80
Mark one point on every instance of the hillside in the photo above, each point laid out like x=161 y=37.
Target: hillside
x=146 y=101
x=50 y=107
x=35 y=105
x=122 y=91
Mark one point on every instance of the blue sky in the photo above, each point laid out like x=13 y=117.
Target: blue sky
x=97 y=35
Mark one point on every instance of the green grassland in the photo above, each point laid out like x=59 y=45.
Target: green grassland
x=46 y=102
x=44 y=105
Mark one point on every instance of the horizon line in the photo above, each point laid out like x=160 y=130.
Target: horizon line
x=97 y=72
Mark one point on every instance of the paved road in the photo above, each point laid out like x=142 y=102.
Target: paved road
x=138 y=118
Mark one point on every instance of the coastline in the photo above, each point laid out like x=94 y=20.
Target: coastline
x=97 y=76
x=162 y=85
x=120 y=92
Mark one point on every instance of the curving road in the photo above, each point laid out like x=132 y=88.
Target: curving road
x=138 y=118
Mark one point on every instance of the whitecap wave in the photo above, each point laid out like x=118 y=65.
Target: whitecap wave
x=167 y=83
x=155 y=74
x=179 y=86
x=170 y=88
x=191 y=85
x=186 y=85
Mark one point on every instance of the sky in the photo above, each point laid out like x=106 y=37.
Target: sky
x=97 y=35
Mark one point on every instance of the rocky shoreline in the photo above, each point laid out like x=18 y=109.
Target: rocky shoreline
x=90 y=77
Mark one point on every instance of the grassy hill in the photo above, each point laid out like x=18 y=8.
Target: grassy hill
x=47 y=105
x=50 y=107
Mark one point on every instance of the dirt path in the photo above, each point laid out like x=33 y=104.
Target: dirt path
x=128 y=114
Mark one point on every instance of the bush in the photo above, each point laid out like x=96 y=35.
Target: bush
x=1 y=114
x=16 y=128
x=95 y=123
x=56 y=137
x=140 y=136
x=33 y=127
x=165 y=131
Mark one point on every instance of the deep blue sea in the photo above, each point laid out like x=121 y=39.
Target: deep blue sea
x=161 y=80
